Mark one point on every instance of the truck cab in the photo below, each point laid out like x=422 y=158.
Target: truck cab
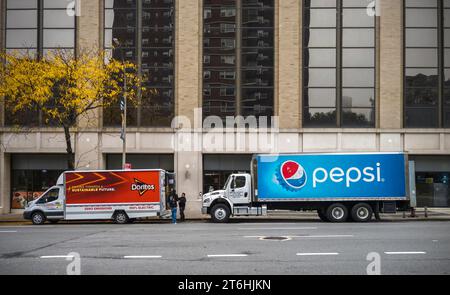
x=49 y=206
x=233 y=200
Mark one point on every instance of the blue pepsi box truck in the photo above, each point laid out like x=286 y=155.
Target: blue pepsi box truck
x=340 y=187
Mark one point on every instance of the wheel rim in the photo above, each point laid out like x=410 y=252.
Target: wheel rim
x=337 y=213
x=362 y=213
x=37 y=218
x=220 y=214
x=121 y=218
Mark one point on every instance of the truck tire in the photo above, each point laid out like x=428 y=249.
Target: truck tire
x=38 y=218
x=120 y=217
x=362 y=212
x=220 y=213
x=322 y=215
x=337 y=213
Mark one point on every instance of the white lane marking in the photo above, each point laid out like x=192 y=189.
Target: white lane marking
x=268 y=223
x=406 y=253
x=309 y=237
x=56 y=256
x=318 y=254
x=274 y=228
x=142 y=257
x=227 y=255
x=435 y=241
x=7 y=231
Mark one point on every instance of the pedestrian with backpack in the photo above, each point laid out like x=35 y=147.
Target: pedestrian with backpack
x=182 y=205
x=173 y=201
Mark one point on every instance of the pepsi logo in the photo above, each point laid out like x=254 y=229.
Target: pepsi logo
x=293 y=174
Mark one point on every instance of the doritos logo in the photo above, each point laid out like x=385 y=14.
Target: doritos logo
x=142 y=187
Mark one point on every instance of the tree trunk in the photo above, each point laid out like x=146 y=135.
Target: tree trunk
x=70 y=154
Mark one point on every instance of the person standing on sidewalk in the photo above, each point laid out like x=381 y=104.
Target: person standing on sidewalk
x=182 y=205
x=173 y=200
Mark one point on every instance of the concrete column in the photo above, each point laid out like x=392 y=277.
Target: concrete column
x=89 y=39
x=5 y=180
x=288 y=53
x=87 y=147
x=391 y=64
x=189 y=177
x=188 y=96
x=89 y=32
x=188 y=57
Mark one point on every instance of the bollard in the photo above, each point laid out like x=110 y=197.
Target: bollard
x=426 y=212
x=413 y=212
x=404 y=214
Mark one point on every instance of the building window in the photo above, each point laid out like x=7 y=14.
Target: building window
x=34 y=28
x=239 y=53
x=427 y=64
x=338 y=64
x=145 y=31
x=32 y=175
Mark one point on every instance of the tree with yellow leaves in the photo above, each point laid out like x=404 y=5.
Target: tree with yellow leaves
x=65 y=88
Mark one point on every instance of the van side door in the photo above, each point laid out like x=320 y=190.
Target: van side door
x=52 y=203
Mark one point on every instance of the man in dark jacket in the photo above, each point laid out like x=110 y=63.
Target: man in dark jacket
x=173 y=199
x=182 y=205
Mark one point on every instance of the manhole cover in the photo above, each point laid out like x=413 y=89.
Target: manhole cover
x=275 y=238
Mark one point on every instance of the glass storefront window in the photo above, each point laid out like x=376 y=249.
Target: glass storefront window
x=28 y=185
x=433 y=189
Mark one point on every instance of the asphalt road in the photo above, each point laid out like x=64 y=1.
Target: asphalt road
x=238 y=248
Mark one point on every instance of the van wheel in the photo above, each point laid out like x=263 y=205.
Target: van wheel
x=322 y=215
x=220 y=213
x=362 y=212
x=337 y=213
x=38 y=218
x=120 y=217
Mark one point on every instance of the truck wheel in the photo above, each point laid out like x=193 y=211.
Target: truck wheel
x=362 y=212
x=38 y=218
x=220 y=213
x=322 y=215
x=337 y=213
x=120 y=217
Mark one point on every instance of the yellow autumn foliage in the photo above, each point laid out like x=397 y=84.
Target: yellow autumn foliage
x=63 y=87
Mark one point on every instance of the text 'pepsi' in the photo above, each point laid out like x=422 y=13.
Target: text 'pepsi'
x=351 y=175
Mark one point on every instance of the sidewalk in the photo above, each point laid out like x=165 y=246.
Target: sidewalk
x=434 y=214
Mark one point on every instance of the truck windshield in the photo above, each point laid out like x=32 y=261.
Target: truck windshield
x=228 y=181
